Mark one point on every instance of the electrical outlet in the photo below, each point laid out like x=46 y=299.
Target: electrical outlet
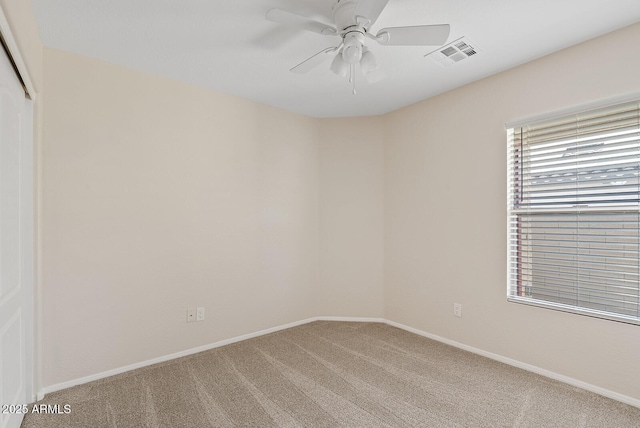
x=191 y=315
x=200 y=314
x=457 y=309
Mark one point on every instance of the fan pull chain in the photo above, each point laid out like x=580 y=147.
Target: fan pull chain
x=352 y=77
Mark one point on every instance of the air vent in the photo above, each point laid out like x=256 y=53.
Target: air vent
x=454 y=52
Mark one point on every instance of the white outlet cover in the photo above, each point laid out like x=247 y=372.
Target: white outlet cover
x=457 y=309
x=200 y=316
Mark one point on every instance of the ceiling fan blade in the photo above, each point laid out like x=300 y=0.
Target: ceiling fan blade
x=311 y=63
x=370 y=9
x=421 y=35
x=288 y=18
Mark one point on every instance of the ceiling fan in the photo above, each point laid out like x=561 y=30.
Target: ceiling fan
x=352 y=21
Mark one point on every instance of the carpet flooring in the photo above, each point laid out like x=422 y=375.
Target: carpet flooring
x=333 y=374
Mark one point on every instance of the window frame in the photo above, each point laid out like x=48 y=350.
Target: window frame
x=513 y=212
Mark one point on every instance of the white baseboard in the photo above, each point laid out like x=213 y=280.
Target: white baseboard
x=552 y=375
x=351 y=319
x=515 y=363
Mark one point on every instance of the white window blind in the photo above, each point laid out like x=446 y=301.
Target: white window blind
x=574 y=218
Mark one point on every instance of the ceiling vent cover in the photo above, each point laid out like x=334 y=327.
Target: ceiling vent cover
x=454 y=52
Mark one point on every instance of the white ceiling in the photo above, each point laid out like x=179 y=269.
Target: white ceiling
x=228 y=45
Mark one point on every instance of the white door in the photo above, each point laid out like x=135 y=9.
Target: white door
x=16 y=247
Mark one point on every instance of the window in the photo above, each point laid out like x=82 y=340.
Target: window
x=573 y=213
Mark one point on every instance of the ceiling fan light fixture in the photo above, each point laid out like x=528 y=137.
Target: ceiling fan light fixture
x=353 y=47
x=339 y=66
x=368 y=62
x=352 y=54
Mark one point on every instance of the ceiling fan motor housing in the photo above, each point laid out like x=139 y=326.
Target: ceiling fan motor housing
x=351 y=31
x=344 y=14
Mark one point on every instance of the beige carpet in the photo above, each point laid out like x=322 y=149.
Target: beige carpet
x=333 y=374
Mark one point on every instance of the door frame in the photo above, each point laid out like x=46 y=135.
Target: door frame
x=30 y=176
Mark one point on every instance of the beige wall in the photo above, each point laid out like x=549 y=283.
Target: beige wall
x=351 y=217
x=160 y=196
x=445 y=216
